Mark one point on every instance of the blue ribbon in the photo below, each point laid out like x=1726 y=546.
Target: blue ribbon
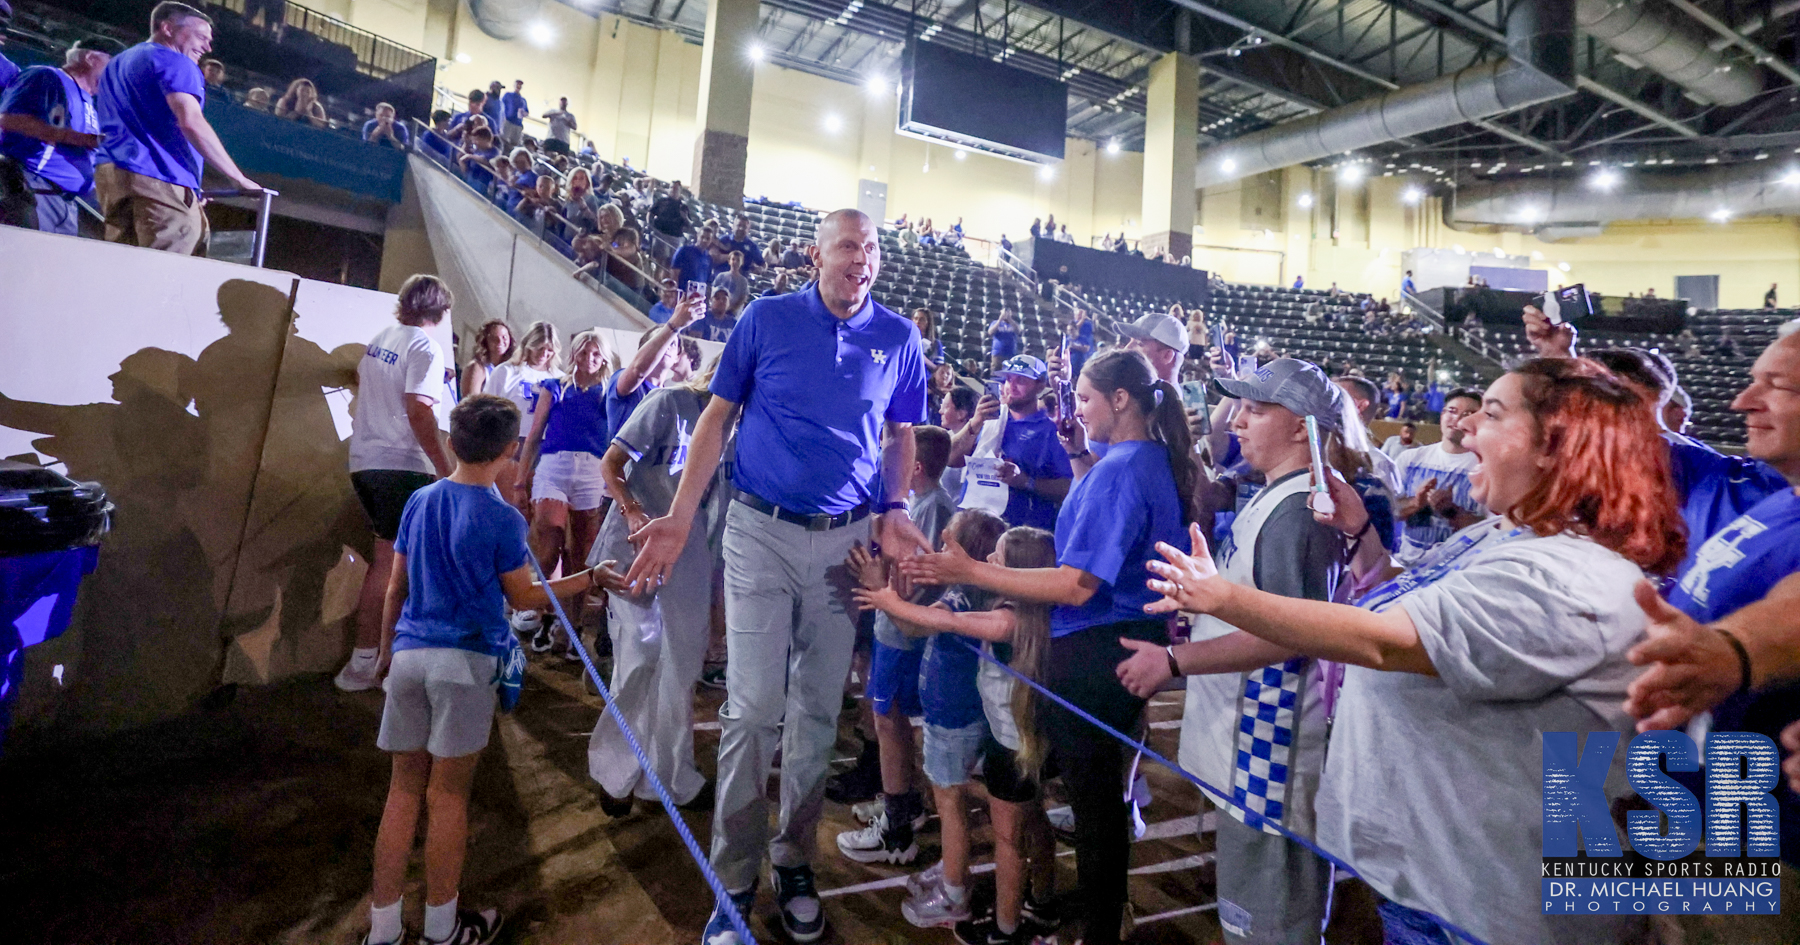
x=1252 y=818
x=662 y=793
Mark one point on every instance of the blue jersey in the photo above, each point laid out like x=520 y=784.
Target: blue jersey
x=52 y=97
x=947 y=690
x=1006 y=342
x=1032 y=446
x=1715 y=488
x=1736 y=567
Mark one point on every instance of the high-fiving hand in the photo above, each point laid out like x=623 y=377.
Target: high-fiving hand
x=1189 y=582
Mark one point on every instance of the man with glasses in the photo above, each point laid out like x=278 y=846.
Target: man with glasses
x=1435 y=479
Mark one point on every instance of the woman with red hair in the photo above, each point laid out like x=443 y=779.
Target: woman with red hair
x=1515 y=626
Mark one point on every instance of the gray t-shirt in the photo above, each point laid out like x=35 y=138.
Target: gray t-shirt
x=1433 y=785
x=931 y=511
x=1296 y=555
x=657 y=437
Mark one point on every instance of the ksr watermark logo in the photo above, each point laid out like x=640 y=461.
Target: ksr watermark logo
x=1740 y=871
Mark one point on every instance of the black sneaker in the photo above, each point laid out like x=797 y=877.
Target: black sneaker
x=472 y=928
x=985 y=930
x=713 y=677
x=615 y=807
x=1041 y=918
x=542 y=638
x=703 y=801
x=795 y=891
x=860 y=783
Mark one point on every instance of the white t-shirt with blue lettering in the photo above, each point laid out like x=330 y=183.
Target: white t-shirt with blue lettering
x=1413 y=469
x=402 y=360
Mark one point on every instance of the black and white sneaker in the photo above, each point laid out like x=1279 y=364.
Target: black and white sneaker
x=879 y=842
x=472 y=928
x=1039 y=918
x=797 y=893
x=985 y=930
x=542 y=638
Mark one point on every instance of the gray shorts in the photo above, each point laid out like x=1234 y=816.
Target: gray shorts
x=439 y=700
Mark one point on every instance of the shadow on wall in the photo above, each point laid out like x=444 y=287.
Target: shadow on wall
x=234 y=521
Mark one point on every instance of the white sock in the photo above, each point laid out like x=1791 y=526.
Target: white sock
x=384 y=922
x=440 y=921
x=364 y=654
x=956 y=894
x=1005 y=926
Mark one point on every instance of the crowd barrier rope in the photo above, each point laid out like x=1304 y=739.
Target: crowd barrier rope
x=720 y=893
x=1252 y=818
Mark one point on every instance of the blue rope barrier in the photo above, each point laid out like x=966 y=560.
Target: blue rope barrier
x=1254 y=818
x=662 y=793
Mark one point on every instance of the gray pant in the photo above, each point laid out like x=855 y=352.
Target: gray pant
x=1271 y=889
x=790 y=627
x=659 y=649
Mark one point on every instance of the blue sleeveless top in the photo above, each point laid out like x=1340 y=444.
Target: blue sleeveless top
x=577 y=421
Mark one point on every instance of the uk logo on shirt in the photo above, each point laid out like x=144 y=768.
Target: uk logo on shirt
x=1721 y=552
x=684 y=435
x=879 y=356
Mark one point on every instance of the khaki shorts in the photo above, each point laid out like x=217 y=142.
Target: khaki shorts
x=439 y=700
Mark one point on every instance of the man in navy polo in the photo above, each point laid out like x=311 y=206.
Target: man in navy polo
x=1034 y=465
x=829 y=384
x=155 y=136
x=48 y=125
x=740 y=242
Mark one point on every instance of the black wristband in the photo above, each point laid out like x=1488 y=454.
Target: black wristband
x=1743 y=656
x=1085 y=452
x=1174 y=666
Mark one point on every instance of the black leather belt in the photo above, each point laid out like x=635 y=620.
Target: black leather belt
x=812 y=523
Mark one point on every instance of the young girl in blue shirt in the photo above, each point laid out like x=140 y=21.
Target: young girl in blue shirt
x=1140 y=493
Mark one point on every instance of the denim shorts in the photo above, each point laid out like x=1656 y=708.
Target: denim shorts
x=894 y=680
x=951 y=753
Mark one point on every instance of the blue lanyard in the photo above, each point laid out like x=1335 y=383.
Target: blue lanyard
x=1448 y=561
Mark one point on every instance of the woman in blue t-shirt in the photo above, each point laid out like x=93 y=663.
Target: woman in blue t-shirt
x=569 y=430
x=1140 y=493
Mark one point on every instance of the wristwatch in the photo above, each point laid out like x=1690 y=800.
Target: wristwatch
x=885 y=507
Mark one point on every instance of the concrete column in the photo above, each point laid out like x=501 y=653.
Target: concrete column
x=1171 y=122
x=722 y=125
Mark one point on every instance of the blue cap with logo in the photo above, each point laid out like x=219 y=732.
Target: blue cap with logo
x=1025 y=366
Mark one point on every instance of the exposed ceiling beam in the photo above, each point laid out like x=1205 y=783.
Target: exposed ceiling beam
x=1272 y=36
x=1625 y=101
x=1750 y=46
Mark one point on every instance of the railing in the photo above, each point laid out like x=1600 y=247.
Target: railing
x=376 y=56
x=265 y=201
x=1062 y=296
x=1475 y=341
x=597 y=277
x=453 y=102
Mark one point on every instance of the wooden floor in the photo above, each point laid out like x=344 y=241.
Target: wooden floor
x=253 y=821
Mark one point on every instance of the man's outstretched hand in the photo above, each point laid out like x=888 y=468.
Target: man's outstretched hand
x=659 y=544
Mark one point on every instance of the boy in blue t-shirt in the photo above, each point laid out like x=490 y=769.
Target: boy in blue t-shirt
x=459 y=556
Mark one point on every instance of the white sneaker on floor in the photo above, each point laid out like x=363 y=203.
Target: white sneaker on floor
x=866 y=812
x=526 y=622
x=935 y=910
x=929 y=878
x=358 y=675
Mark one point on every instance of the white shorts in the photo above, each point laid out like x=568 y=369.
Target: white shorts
x=439 y=700
x=572 y=478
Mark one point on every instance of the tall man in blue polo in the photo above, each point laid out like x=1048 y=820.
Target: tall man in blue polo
x=829 y=384
x=49 y=127
x=513 y=109
x=155 y=136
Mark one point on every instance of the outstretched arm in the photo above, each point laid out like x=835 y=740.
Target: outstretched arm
x=660 y=542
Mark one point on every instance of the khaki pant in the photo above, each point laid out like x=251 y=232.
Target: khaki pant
x=145 y=211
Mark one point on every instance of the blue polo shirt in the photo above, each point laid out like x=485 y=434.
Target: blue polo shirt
x=51 y=96
x=491 y=108
x=1006 y=343
x=753 y=254
x=457 y=540
x=1032 y=446
x=141 y=135
x=692 y=264
x=1109 y=527
x=513 y=107
x=815 y=391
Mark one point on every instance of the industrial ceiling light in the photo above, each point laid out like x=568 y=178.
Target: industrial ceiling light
x=833 y=124
x=1228 y=165
x=1792 y=177
x=1112 y=147
x=1046 y=172
x=1350 y=173
x=877 y=84
x=1604 y=179
x=756 y=52
x=1305 y=201
x=1411 y=196
x=1563 y=266
x=1720 y=215
x=540 y=33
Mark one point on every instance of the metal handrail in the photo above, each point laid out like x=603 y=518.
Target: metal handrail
x=1477 y=343
x=265 y=204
